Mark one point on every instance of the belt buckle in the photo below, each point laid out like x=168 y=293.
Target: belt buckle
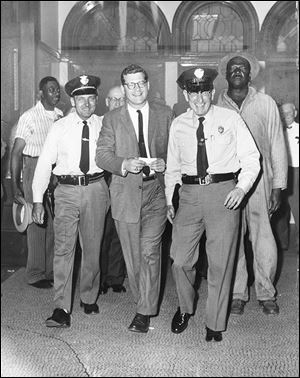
x=83 y=180
x=204 y=180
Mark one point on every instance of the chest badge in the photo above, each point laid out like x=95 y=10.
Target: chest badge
x=221 y=129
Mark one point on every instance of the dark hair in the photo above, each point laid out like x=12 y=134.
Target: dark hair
x=132 y=69
x=45 y=80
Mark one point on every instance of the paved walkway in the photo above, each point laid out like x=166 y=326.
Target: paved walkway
x=254 y=345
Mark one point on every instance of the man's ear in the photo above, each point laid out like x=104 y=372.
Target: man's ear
x=72 y=101
x=185 y=95
x=107 y=102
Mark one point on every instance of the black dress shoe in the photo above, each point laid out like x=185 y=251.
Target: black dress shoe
x=103 y=288
x=90 y=308
x=60 y=318
x=118 y=288
x=180 y=321
x=42 y=284
x=210 y=334
x=140 y=323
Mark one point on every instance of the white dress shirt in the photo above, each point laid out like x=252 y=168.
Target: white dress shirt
x=292 y=141
x=229 y=147
x=135 y=120
x=63 y=148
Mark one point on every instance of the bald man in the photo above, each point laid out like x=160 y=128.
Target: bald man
x=113 y=268
x=290 y=201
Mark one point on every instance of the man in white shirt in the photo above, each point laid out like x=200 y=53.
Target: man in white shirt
x=290 y=202
x=81 y=198
x=208 y=146
x=31 y=132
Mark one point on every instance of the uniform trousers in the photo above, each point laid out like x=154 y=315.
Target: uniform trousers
x=141 y=245
x=40 y=238
x=202 y=208
x=78 y=210
x=255 y=217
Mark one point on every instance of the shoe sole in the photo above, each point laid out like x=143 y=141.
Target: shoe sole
x=53 y=324
x=137 y=330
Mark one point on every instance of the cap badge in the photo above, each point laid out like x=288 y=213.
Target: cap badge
x=84 y=79
x=199 y=73
x=221 y=129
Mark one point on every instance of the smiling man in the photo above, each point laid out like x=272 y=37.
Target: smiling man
x=132 y=134
x=208 y=147
x=32 y=130
x=260 y=113
x=81 y=198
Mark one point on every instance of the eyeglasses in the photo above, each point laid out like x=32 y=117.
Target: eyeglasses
x=140 y=84
x=120 y=100
x=194 y=95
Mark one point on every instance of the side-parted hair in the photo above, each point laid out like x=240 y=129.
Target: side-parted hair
x=132 y=69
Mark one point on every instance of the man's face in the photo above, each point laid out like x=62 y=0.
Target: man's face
x=115 y=98
x=85 y=105
x=50 y=94
x=238 y=72
x=287 y=114
x=137 y=95
x=199 y=101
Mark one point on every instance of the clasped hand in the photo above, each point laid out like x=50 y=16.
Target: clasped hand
x=135 y=165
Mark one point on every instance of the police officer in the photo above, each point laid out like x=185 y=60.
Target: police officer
x=207 y=146
x=81 y=198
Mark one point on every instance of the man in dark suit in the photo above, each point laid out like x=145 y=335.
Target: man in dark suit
x=133 y=146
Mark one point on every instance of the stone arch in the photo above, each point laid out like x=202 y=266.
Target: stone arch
x=244 y=10
x=157 y=35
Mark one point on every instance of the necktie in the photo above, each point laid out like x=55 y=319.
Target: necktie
x=202 y=163
x=84 y=164
x=142 y=147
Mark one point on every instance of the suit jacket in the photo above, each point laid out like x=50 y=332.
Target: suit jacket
x=117 y=141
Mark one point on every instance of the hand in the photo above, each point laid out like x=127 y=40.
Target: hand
x=170 y=213
x=38 y=213
x=234 y=199
x=158 y=165
x=275 y=201
x=134 y=165
x=18 y=196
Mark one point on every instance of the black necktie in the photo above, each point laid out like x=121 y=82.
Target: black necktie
x=202 y=163
x=142 y=147
x=84 y=164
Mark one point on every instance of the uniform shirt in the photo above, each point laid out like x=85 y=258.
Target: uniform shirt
x=292 y=142
x=63 y=148
x=229 y=147
x=261 y=115
x=33 y=127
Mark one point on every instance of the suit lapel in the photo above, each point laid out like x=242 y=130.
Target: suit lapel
x=152 y=125
x=127 y=124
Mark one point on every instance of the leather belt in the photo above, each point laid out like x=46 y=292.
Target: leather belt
x=81 y=180
x=209 y=179
x=149 y=178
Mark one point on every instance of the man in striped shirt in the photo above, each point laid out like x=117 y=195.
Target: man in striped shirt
x=32 y=129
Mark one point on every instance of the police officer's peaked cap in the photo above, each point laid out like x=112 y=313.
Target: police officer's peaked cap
x=254 y=63
x=197 y=79
x=82 y=85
